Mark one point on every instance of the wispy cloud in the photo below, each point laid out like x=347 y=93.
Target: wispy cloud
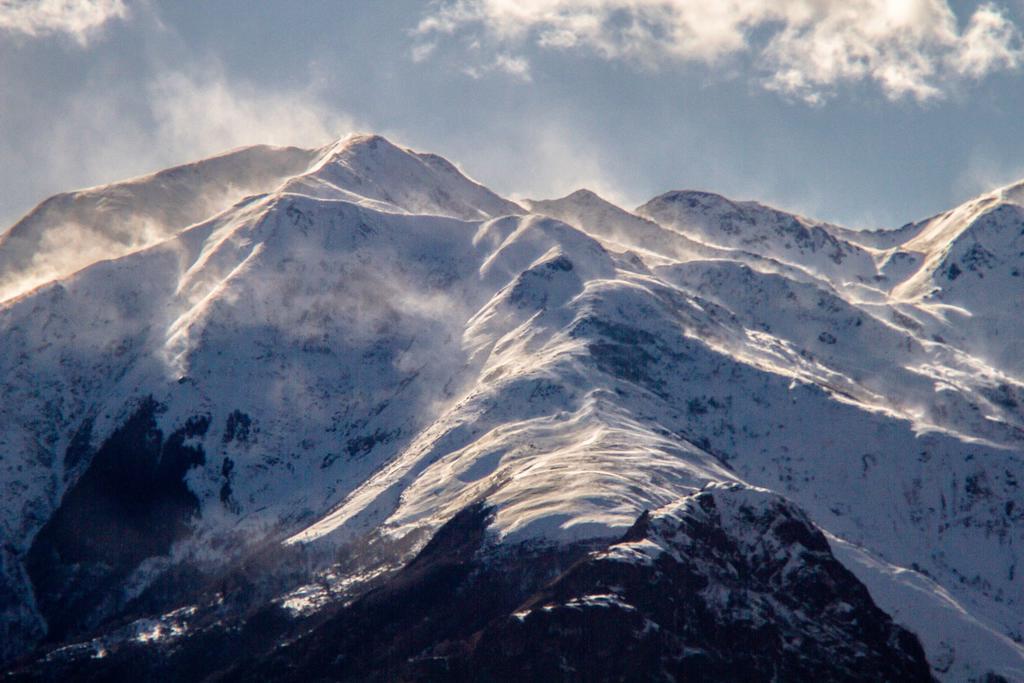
x=185 y=115
x=802 y=48
x=562 y=158
x=984 y=172
x=78 y=19
x=514 y=66
x=188 y=115
x=201 y=112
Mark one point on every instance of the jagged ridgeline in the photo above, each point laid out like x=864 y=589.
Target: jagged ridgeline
x=346 y=413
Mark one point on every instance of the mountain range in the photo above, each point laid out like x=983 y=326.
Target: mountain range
x=347 y=414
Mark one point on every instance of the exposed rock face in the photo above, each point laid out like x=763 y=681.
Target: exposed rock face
x=729 y=585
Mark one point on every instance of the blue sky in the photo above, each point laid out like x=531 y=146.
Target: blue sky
x=865 y=112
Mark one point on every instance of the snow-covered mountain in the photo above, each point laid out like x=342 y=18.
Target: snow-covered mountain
x=282 y=395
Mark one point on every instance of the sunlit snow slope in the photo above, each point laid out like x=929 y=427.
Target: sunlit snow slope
x=346 y=346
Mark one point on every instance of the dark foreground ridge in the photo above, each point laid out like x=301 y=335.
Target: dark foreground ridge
x=732 y=584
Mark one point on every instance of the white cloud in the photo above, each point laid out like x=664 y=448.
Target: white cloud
x=516 y=67
x=513 y=66
x=987 y=44
x=803 y=48
x=422 y=51
x=79 y=19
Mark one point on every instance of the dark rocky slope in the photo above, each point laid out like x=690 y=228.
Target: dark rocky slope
x=731 y=584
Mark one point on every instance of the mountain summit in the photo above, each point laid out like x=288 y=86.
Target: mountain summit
x=345 y=412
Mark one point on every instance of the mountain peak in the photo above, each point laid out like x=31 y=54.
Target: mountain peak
x=693 y=199
x=363 y=143
x=370 y=169
x=584 y=195
x=572 y=203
